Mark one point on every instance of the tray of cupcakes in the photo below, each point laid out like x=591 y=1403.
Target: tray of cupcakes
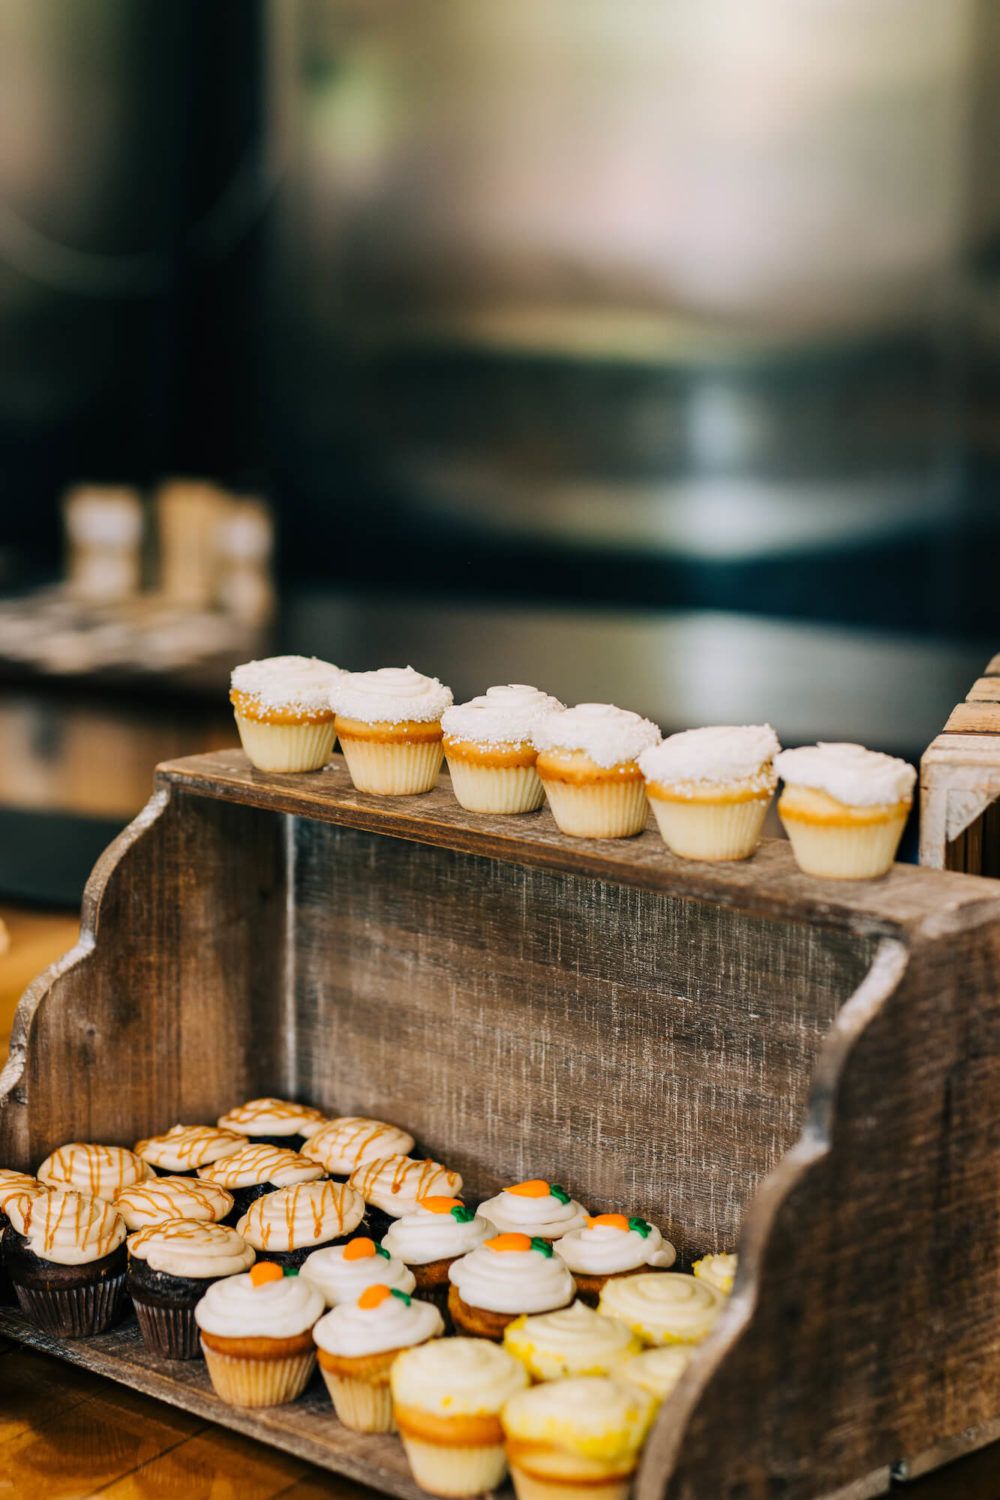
x=279 y=1246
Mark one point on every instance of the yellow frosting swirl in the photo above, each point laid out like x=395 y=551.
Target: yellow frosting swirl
x=663 y=1307
x=572 y=1341
x=718 y=1270
x=590 y=1415
x=657 y=1370
x=457 y=1378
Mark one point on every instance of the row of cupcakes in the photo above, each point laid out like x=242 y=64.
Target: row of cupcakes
x=599 y=767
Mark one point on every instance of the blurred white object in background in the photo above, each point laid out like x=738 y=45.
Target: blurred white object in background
x=104 y=542
x=244 y=540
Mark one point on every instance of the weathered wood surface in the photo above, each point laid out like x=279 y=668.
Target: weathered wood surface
x=960 y=785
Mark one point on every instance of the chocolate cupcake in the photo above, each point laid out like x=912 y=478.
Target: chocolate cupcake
x=431 y=1239
x=288 y=1225
x=345 y=1144
x=12 y=1185
x=161 y=1198
x=185 y=1148
x=273 y=1122
x=255 y=1170
x=170 y=1267
x=394 y=1185
x=95 y=1171
x=65 y=1254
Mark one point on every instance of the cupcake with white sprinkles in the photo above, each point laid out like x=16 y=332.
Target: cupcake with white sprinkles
x=389 y=727
x=490 y=749
x=709 y=789
x=844 y=808
x=588 y=765
x=283 y=713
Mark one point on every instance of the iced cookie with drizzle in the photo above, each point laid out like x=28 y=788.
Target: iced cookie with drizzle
x=535 y=1207
x=95 y=1171
x=506 y=1276
x=343 y=1145
x=273 y=1122
x=160 y=1198
x=170 y=1267
x=358 y=1343
x=287 y=1225
x=342 y=1272
x=65 y=1254
x=182 y=1149
x=394 y=1185
x=432 y=1238
x=613 y=1245
x=257 y=1169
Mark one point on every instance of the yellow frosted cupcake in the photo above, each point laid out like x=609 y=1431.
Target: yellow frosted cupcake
x=389 y=727
x=663 y=1307
x=844 y=808
x=571 y=1341
x=358 y=1344
x=447 y=1399
x=490 y=751
x=718 y=1270
x=709 y=789
x=576 y=1439
x=588 y=765
x=283 y=713
x=256 y=1335
x=656 y=1371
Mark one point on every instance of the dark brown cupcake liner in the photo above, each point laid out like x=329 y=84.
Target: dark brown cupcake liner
x=74 y=1312
x=168 y=1331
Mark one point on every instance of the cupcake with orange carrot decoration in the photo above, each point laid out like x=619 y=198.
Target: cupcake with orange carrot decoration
x=432 y=1238
x=536 y=1207
x=256 y=1335
x=358 y=1343
x=507 y=1275
x=611 y=1245
x=394 y=1185
x=343 y=1272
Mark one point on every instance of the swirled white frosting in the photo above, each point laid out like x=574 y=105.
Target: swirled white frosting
x=16 y=1184
x=721 y=752
x=396 y=1184
x=186 y=1146
x=272 y=1117
x=572 y=1340
x=161 y=1198
x=343 y=1279
x=252 y=1165
x=390 y=696
x=512 y=1281
x=663 y=1307
x=310 y=1213
x=850 y=773
x=718 y=1270
x=293 y=684
x=235 y=1308
x=398 y=1322
x=422 y=1237
x=590 y=1414
x=500 y=716
x=95 y=1171
x=603 y=1249
x=656 y=1370
x=342 y=1145
x=67 y=1228
x=546 y=1216
x=457 y=1378
x=186 y=1247
x=607 y=734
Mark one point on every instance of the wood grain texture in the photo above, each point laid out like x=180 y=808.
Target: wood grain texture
x=960 y=786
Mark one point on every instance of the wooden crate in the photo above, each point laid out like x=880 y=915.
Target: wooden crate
x=960 y=785
x=744 y=1055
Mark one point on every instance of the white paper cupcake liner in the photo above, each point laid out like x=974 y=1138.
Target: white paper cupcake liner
x=863 y=852
x=600 y=810
x=710 y=830
x=286 y=747
x=399 y=770
x=495 y=789
x=452 y=1471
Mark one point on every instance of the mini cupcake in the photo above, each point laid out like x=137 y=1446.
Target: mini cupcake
x=506 y=1276
x=612 y=1245
x=718 y=1270
x=341 y=1146
x=709 y=789
x=432 y=1238
x=255 y=1170
x=656 y=1371
x=161 y=1198
x=573 y=1340
x=170 y=1267
x=668 y=1308
x=289 y=1224
x=389 y=727
x=539 y=1208
x=359 y=1341
x=343 y=1272
x=844 y=809
x=94 y=1171
x=394 y=1185
x=65 y=1254
x=283 y=714
x=490 y=751
x=447 y=1399
x=185 y=1148
x=273 y=1122
x=576 y=1437
x=588 y=764
x=256 y=1335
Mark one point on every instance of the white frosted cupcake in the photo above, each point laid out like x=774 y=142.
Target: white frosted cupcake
x=170 y=1267
x=664 y=1308
x=342 y=1272
x=394 y=1185
x=432 y=1238
x=612 y=1245
x=273 y=1122
x=656 y=1371
x=718 y=1270
x=535 y=1207
x=255 y=1170
x=65 y=1255
x=95 y=1171
x=567 y=1439
x=572 y=1340
x=709 y=789
x=844 y=808
x=490 y=750
x=344 y=1144
x=287 y=1225
x=185 y=1148
x=283 y=713
x=389 y=727
x=505 y=1276
x=256 y=1335
x=447 y=1398
x=152 y=1202
x=588 y=764
x=358 y=1344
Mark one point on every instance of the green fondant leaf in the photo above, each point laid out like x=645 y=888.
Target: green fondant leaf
x=558 y=1192
x=542 y=1246
x=381 y=1250
x=289 y=1271
x=403 y=1296
x=461 y=1214
x=641 y=1227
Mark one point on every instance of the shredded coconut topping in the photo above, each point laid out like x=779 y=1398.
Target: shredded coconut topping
x=295 y=684
x=607 y=734
x=500 y=716
x=850 y=773
x=389 y=696
x=722 y=752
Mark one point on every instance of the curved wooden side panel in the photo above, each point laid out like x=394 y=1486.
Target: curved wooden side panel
x=864 y=1326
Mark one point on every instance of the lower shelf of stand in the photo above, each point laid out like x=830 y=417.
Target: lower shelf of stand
x=307 y=1428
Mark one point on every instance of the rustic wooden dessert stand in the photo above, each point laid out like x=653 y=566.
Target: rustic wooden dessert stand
x=742 y=1054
